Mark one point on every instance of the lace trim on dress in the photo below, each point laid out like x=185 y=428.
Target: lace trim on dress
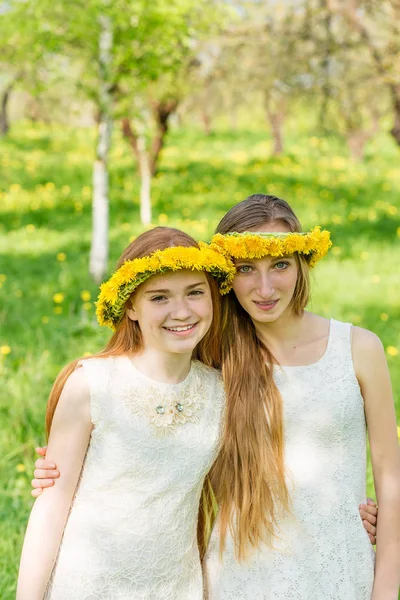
x=164 y=411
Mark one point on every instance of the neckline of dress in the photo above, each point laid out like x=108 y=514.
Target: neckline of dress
x=317 y=362
x=173 y=386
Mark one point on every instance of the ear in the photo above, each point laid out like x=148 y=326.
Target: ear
x=131 y=312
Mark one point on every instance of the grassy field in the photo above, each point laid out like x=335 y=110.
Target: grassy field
x=46 y=296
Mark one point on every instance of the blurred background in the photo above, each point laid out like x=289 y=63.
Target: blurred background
x=118 y=116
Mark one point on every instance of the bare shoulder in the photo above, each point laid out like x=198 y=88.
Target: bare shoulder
x=368 y=355
x=366 y=343
x=75 y=395
x=77 y=383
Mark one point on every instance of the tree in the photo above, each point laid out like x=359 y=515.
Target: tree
x=377 y=25
x=118 y=46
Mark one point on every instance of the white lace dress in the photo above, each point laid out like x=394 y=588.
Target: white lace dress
x=324 y=553
x=131 y=532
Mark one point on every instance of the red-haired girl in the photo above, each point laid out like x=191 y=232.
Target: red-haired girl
x=134 y=430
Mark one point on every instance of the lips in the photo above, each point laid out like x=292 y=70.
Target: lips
x=265 y=306
x=181 y=328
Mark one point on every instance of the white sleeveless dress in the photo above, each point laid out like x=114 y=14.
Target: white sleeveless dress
x=131 y=533
x=324 y=552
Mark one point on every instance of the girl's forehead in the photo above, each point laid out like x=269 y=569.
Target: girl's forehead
x=272 y=227
x=183 y=277
x=264 y=260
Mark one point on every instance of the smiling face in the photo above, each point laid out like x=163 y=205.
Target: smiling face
x=174 y=311
x=264 y=287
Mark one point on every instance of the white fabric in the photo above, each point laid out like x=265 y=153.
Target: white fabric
x=324 y=553
x=131 y=532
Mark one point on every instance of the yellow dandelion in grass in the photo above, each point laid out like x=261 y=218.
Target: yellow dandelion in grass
x=4 y=350
x=392 y=351
x=364 y=255
x=86 y=295
x=14 y=188
x=49 y=186
x=30 y=228
x=58 y=310
x=384 y=317
x=87 y=306
x=61 y=256
x=45 y=319
x=65 y=189
x=392 y=210
x=20 y=468
x=78 y=206
x=375 y=279
x=125 y=226
x=86 y=191
x=162 y=219
x=3 y=277
x=58 y=298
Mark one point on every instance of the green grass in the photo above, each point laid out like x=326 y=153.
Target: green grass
x=45 y=220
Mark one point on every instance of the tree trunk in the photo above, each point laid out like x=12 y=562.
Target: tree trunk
x=276 y=121
x=349 y=10
x=162 y=112
x=4 y=122
x=206 y=120
x=395 y=131
x=356 y=141
x=145 y=181
x=130 y=136
x=100 y=202
x=275 y=107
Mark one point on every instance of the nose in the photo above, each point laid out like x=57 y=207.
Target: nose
x=181 y=310
x=264 y=286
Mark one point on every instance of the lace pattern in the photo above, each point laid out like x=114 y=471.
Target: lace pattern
x=131 y=532
x=318 y=556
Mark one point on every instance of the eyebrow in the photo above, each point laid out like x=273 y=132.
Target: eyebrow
x=238 y=260
x=165 y=291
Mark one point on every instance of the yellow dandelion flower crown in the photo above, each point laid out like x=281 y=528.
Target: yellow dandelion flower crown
x=314 y=243
x=115 y=292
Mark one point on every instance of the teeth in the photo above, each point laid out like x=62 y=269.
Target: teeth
x=180 y=328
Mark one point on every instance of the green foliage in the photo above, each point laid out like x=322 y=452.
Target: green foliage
x=46 y=296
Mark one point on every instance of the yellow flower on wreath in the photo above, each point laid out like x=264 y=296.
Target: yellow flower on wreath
x=115 y=292
x=315 y=243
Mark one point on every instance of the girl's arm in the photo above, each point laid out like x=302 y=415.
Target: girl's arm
x=68 y=442
x=46 y=475
x=373 y=376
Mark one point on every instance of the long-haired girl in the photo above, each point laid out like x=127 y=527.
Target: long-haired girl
x=134 y=430
x=299 y=389
x=270 y=478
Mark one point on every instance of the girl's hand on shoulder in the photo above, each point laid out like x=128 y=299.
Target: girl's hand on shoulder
x=44 y=474
x=369 y=516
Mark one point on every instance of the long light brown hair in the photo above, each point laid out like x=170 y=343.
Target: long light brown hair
x=249 y=471
x=127 y=338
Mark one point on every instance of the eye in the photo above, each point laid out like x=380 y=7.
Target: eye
x=282 y=265
x=196 y=293
x=158 y=298
x=244 y=269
